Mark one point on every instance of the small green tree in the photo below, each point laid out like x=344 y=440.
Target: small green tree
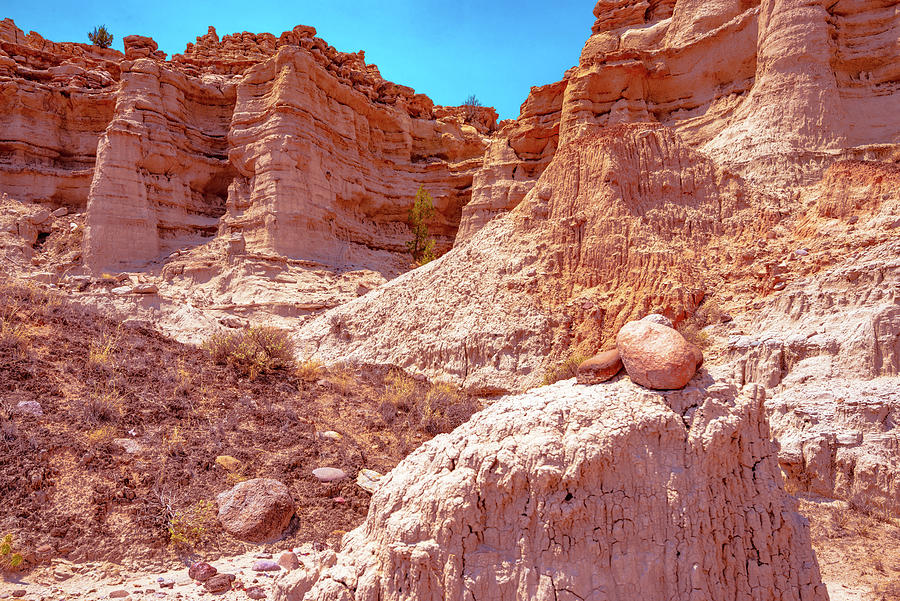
x=101 y=37
x=421 y=247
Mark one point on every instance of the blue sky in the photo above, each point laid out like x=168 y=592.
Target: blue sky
x=447 y=49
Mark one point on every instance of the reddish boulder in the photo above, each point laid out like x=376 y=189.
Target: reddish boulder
x=657 y=356
x=257 y=510
x=599 y=368
x=219 y=583
x=202 y=571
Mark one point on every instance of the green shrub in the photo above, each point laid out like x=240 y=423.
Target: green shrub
x=10 y=559
x=187 y=527
x=421 y=247
x=100 y=37
x=253 y=351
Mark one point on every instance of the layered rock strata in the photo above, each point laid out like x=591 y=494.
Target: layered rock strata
x=775 y=90
x=55 y=102
x=622 y=223
x=571 y=492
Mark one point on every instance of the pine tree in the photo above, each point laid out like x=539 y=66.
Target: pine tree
x=421 y=247
x=100 y=37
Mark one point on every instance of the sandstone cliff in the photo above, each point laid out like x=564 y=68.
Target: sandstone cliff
x=590 y=493
x=775 y=90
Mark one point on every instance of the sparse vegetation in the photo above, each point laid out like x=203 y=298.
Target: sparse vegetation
x=309 y=369
x=102 y=406
x=100 y=37
x=253 y=351
x=10 y=559
x=566 y=369
x=421 y=247
x=471 y=106
x=707 y=313
x=189 y=526
x=444 y=408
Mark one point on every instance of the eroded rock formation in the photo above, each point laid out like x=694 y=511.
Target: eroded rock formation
x=775 y=90
x=572 y=492
x=622 y=222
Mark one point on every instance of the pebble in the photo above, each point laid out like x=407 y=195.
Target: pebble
x=30 y=407
x=329 y=474
x=368 y=480
x=219 y=583
x=330 y=435
x=802 y=252
x=255 y=592
x=60 y=212
x=265 y=565
x=118 y=594
x=20 y=592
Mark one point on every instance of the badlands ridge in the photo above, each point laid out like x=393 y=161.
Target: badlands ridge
x=732 y=164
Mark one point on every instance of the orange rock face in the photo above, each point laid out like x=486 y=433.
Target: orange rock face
x=55 y=102
x=303 y=151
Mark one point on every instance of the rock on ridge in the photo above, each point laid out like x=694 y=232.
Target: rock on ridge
x=571 y=492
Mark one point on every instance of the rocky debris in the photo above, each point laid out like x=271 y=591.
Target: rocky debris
x=368 y=480
x=659 y=319
x=228 y=463
x=30 y=407
x=219 y=583
x=329 y=474
x=202 y=571
x=266 y=565
x=599 y=368
x=256 y=510
x=578 y=266
x=288 y=560
x=255 y=592
x=471 y=514
x=657 y=356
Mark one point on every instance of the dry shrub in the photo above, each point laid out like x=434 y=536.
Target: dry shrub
x=309 y=369
x=341 y=379
x=102 y=407
x=565 y=370
x=444 y=408
x=188 y=527
x=691 y=328
x=253 y=351
x=102 y=352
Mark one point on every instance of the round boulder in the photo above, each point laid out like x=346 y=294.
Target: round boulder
x=599 y=368
x=657 y=356
x=257 y=510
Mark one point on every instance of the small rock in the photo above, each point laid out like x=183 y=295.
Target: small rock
x=726 y=317
x=39 y=217
x=30 y=407
x=145 y=289
x=19 y=592
x=121 y=290
x=801 y=252
x=368 y=480
x=118 y=594
x=329 y=474
x=660 y=319
x=330 y=435
x=599 y=368
x=60 y=212
x=289 y=560
x=340 y=500
x=228 y=462
x=853 y=220
x=779 y=286
x=265 y=565
x=219 y=583
x=255 y=592
x=202 y=571
x=166 y=582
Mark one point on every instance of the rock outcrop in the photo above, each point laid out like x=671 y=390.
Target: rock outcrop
x=775 y=90
x=571 y=492
x=55 y=102
x=250 y=135
x=622 y=223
